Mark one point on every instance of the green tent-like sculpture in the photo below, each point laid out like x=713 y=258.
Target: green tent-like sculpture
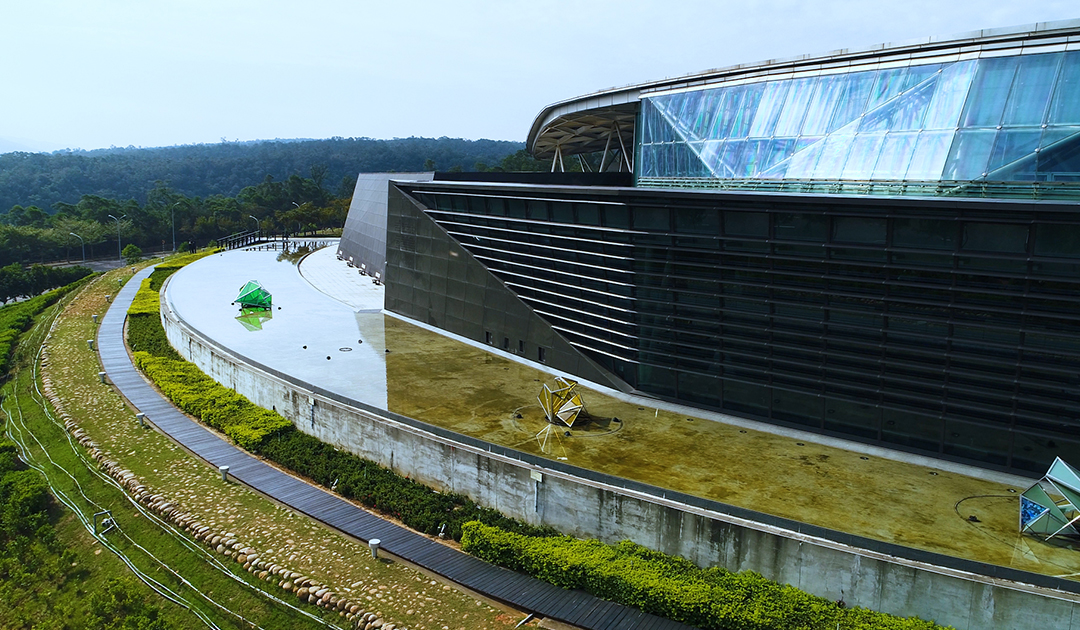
x=253 y=295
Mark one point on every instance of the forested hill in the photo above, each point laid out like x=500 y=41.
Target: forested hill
x=42 y=179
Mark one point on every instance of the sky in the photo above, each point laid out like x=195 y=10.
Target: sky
x=89 y=74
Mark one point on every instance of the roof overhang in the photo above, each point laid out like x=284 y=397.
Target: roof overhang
x=584 y=124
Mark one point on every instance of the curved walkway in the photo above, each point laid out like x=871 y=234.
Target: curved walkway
x=522 y=592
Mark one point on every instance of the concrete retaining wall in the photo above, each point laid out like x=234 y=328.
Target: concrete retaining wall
x=585 y=508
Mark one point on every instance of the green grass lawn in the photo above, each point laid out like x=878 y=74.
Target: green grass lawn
x=406 y=596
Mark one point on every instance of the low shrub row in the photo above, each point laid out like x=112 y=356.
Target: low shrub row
x=414 y=504
x=144 y=332
x=246 y=424
x=672 y=587
x=146 y=300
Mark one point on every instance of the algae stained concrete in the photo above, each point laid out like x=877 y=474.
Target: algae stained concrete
x=450 y=384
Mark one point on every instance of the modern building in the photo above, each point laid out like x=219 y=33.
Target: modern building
x=879 y=244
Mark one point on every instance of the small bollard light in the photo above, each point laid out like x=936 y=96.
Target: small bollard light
x=90 y=342
x=95 y=318
x=224 y=470
x=108 y=298
x=374 y=544
x=141 y=417
x=101 y=376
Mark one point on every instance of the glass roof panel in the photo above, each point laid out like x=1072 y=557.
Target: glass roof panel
x=928 y=158
x=798 y=98
x=771 y=103
x=889 y=83
x=895 y=155
x=864 y=155
x=710 y=152
x=746 y=110
x=1065 y=105
x=728 y=163
x=707 y=109
x=771 y=152
x=1011 y=145
x=903 y=113
x=1031 y=89
x=996 y=118
x=826 y=95
x=969 y=154
x=833 y=156
x=949 y=96
x=918 y=74
x=802 y=164
x=986 y=100
x=852 y=103
x=1061 y=160
x=690 y=112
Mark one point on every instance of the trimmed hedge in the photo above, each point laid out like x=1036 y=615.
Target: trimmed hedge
x=147 y=300
x=218 y=406
x=413 y=503
x=144 y=332
x=672 y=587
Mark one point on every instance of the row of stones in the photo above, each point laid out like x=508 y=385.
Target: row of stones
x=225 y=543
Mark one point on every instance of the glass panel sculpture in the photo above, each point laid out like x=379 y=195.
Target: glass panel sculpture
x=562 y=408
x=253 y=318
x=253 y=295
x=1051 y=507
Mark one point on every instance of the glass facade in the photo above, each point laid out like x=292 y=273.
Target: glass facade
x=947 y=327
x=1005 y=118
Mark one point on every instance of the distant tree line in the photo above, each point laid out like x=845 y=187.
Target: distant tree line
x=208 y=170
x=92 y=223
x=298 y=204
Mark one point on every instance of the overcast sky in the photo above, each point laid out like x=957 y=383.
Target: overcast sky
x=97 y=73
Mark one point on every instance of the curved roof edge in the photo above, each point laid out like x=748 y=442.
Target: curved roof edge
x=583 y=124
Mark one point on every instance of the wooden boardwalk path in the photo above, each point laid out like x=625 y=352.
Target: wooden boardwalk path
x=520 y=591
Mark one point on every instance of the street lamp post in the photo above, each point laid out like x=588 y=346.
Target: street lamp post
x=173 y=212
x=118 y=254
x=83 y=244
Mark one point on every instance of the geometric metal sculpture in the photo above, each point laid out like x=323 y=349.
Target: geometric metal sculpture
x=562 y=408
x=1051 y=507
x=252 y=295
